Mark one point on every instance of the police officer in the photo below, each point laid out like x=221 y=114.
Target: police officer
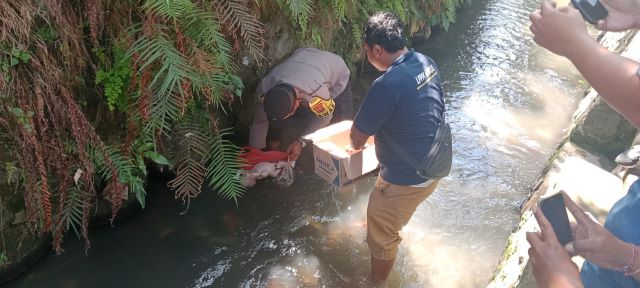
x=306 y=92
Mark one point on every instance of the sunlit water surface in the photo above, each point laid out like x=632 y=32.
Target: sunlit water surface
x=509 y=103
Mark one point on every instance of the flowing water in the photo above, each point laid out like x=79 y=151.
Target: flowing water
x=509 y=104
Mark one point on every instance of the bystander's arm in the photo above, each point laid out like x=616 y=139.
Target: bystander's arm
x=633 y=264
x=635 y=269
x=563 y=31
x=613 y=76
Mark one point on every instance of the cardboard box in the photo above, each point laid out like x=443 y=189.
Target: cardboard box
x=330 y=155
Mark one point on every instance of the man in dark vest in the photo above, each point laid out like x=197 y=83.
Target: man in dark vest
x=404 y=106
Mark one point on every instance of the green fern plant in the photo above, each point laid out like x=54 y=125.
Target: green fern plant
x=115 y=80
x=181 y=88
x=224 y=164
x=128 y=172
x=204 y=30
x=10 y=59
x=14 y=174
x=72 y=215
x=190 y=158
x=180 y=65
x=173 y=68
x=311 y=19
x=203 y=154
x=300 y=12
x=340 y=9
x=237 y=16
x=201 y=26
x=3 y=258
x=142 y=149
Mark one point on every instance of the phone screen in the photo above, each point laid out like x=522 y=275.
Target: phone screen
x=553 y=208
x=591 y=10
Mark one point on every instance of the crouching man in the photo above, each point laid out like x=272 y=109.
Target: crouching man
x=306 y=92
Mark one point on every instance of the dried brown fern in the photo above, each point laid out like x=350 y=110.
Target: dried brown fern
x=145 y=94
x=57 y=143
x=40 y=176
x=49 y=119
x=119 y=16
x=202 y=61
x=190 y=177
x=31 y=135
x=185 y=84
x=95 y=17
x=190 y=166
x=58 y=233
x=69 y=26
x=16 y=20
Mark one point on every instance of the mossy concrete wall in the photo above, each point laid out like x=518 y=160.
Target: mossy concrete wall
x=603 y=130
x=19 y=246
x=582 y=166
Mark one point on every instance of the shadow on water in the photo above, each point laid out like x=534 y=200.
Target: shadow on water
x=509 y=103
x=277 y=237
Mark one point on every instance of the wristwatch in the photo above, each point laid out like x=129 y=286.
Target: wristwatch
x=302 y=142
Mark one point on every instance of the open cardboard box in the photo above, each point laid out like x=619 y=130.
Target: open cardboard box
x=332 y=162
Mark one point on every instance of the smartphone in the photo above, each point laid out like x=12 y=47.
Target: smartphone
x=591 y=10
x=553 y=208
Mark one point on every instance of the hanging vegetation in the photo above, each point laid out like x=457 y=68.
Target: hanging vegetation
x=160 y=70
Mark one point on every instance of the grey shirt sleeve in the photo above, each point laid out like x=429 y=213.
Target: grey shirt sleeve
x=341 y=77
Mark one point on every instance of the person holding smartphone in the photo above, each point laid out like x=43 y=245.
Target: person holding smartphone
x=551 y=263
x=562 y=31
x=611 y=252
x=611 y=260
x=623 y=15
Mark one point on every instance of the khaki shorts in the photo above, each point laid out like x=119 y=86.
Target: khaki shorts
x=390 y=208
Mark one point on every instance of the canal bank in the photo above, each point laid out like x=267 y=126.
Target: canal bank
x=583 y=166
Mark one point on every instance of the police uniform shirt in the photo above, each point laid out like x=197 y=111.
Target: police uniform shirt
x=316 y=72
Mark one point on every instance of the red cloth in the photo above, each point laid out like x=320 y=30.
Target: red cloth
x=253 y=156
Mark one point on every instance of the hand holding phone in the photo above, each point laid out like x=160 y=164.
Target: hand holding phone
x=554 y=210
x=591 y=10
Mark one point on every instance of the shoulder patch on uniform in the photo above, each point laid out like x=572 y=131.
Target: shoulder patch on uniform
x=425 y=76
x=321 y=107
